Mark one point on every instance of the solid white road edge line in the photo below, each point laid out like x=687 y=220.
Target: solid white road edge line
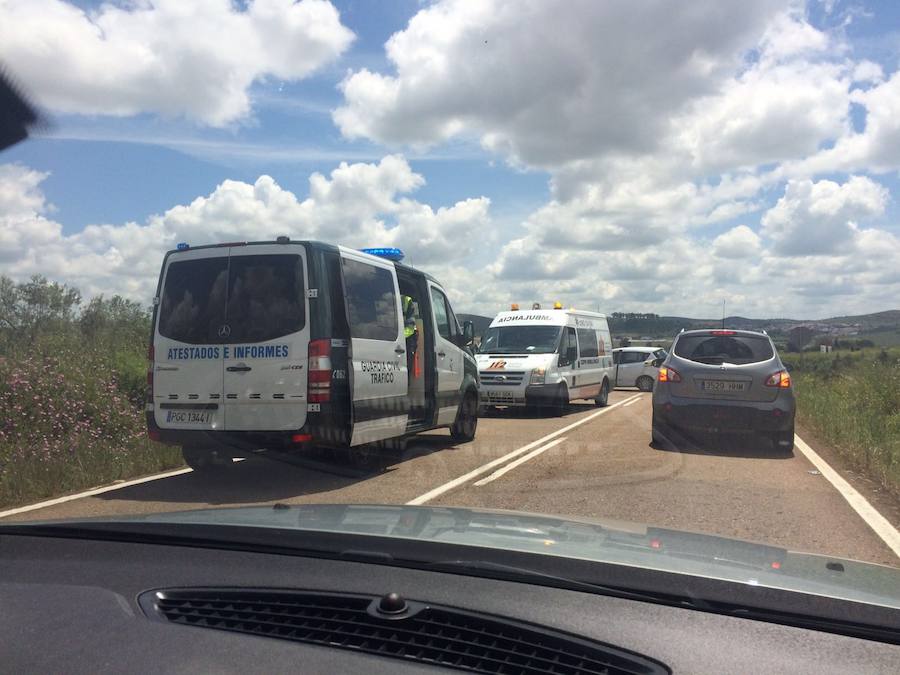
x=91 y=493
x=518 y=462
x=858 y=503
x=101 y=490
x=446 y=487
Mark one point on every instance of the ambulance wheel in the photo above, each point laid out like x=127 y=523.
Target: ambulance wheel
x=561 y=400
x=463 y=429
x=603 y=399
x=204 y=460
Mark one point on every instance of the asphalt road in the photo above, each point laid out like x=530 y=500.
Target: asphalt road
x=594 y=464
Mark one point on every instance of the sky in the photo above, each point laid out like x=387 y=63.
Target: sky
x=615 y=156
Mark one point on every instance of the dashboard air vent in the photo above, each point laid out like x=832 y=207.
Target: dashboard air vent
x=422 y=633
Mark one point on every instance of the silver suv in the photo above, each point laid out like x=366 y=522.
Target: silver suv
x=724 y=381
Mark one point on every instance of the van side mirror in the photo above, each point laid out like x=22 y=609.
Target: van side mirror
x=468 y=334
x=569 y=357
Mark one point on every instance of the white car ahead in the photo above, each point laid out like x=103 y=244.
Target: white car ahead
x=637 y=366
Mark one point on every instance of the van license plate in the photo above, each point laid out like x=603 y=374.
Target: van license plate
x=500 y=395
x=188 y=416
x=722 y=385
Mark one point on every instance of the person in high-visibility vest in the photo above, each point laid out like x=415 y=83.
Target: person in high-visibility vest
x=410 y=333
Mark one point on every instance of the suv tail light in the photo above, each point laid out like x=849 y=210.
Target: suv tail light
x=667 y=374
x=319 y=384
x=780 y=379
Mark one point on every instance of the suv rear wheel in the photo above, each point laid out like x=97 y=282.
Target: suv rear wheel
x=783 y=440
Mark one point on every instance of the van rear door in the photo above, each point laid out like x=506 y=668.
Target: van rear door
x=187 y=373
x=378 y=370
x=265 y=335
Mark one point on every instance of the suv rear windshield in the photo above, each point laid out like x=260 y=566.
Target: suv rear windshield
x=717 y=349
x=221 y=300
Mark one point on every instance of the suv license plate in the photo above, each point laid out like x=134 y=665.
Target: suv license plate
x=722 y=386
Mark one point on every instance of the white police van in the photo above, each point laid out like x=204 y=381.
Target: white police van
x=292 y=344
x=545 y=357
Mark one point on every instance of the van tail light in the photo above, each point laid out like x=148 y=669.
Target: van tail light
x=667 y=374
x=781 y=379
x=151 y=355
x=319 y=382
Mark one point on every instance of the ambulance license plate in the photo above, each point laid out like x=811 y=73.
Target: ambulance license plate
x=500 y=395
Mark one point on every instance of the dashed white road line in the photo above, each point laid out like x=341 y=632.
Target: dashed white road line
x=484 y=468
x=631 y=402
x=518 y=462
x=881 y=526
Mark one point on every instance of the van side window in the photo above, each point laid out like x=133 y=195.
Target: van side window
x=455 y=330
x=371 y=301
x=441 y=316
x=568 y=341
x=588 y=343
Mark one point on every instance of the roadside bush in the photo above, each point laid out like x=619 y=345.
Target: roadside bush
x=853 y=402
x=72 y=391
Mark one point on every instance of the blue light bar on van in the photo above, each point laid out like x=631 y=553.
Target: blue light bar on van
x=388 y=252
x=183 y=246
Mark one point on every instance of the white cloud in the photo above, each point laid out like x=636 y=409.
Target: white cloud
x=547 y=84
x=822 y=217
x=195 y=59
x=738 y=242
x=357 y=205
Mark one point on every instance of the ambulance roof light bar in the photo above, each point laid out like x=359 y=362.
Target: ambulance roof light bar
x=557 y=305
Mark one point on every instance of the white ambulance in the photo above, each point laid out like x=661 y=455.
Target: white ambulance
x=287 y=344
x=545 y=358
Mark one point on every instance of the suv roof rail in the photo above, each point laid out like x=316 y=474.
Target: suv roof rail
x=764 y=332
x=681 y=331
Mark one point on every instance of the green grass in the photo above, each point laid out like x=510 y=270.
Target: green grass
x=852 y=401
x=71 y=417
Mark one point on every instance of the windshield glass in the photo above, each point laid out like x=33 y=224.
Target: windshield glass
x=521 y=340
x=619 y=265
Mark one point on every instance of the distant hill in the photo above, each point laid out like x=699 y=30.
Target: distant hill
x=884 y=327
x=884 y=323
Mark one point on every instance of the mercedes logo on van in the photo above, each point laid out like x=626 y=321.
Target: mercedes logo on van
x=224 y=330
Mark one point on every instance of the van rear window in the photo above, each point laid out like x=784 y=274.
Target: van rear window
x=248 y=298
x=192 y=306
x=716 y=349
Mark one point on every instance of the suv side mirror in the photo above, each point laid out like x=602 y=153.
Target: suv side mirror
x=658 y=362
x=468 y=335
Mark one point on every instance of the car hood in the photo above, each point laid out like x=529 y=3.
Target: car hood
x=606 y=541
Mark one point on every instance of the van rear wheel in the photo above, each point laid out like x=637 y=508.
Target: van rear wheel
x=204 y=460
x=603 y=399
x=463 y=429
